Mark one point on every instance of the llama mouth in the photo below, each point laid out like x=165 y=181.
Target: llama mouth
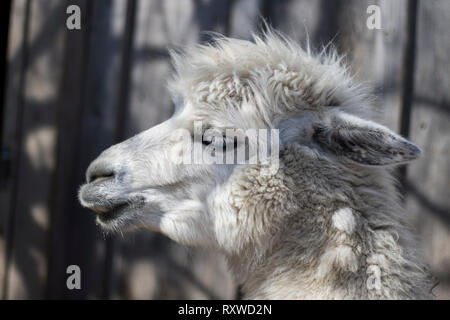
x=109 y=207
x=120 y=214
x=110 y=213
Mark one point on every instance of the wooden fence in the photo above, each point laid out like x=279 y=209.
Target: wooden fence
x=71 y=93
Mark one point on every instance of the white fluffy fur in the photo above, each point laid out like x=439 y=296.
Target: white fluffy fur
x=327 y=225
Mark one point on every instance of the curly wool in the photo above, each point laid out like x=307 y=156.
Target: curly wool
x=328 y=232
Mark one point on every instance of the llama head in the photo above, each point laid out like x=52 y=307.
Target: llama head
x=153 y=180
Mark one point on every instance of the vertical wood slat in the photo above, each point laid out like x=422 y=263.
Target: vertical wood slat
x=123 y=88
x=68 y=118
x=86 y=245
x=407 y=92
x=393 y=48
x=16 y=57
x=4 y=32
x=427 y=183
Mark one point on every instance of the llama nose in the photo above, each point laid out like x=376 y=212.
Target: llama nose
x=99 y=171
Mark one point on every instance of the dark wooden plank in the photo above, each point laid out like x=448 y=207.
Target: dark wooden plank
x=10 y=137
x=63 y=184
x=428 y=188
x=5 y=15
x=123 y=82
x=393 y=49
x=85 y=244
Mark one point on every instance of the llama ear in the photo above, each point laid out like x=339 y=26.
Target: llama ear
x=363 y=142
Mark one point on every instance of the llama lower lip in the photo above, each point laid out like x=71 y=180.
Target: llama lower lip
x=111 y=213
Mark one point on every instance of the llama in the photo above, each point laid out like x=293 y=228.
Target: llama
x=326 y=224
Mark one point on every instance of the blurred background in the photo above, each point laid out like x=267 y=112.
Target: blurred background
x=69 y=94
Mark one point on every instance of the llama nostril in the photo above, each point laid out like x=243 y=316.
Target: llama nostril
x=99 y=178
x=99 y=174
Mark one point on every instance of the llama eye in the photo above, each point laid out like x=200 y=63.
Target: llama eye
x=216 y=138
x=206 y=141
x=207 y=138
x=217 y=141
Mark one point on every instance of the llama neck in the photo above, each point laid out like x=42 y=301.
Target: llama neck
x=342 y=249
